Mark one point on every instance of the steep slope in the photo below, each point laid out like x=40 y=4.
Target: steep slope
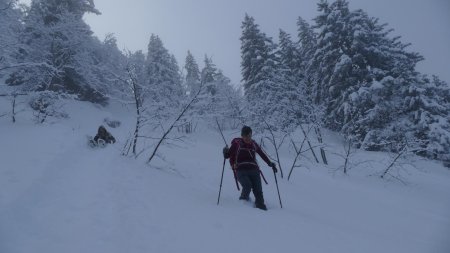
x=58 y=195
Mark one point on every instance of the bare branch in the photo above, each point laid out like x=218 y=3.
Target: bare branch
x=320 y=140
x=173 y=124
x=31 y=64
x=298 y=151
x=13 y=95
x=400 y=153
x=277 y=147
x=148 y=137
x=309 y=143
x=9 y=5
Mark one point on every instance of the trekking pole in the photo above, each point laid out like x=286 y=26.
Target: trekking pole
x=276 y=182
x=221 y=133
x=234 y=172
x=221 y=180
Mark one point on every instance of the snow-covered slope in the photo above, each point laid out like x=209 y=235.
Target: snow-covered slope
x=58 y=195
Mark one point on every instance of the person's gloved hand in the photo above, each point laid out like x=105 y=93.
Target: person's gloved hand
x=226 y=152
x=274 y=167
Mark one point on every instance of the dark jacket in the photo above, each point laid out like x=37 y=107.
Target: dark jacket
x=243 y=155
x=104 y=135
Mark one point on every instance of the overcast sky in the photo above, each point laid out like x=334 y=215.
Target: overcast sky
x=213 y=26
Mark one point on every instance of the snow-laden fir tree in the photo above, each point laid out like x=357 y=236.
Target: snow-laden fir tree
x=367 y=81
x=353 y=54
x=260 y=75
x=289 y=57
x=217 y=99
x=204 y=108
x=56 y=46
x=108 y=65
x=292 y=95
x=383 y=68
x=254 y=52
x=307 y=43
x=192 y=78
x=332 y=60
x=164 y=79
x=428 y=109
x=10 y=28
x=208 y=75
x=421 y=123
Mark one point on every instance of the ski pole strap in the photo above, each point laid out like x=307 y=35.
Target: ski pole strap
x=262 y=175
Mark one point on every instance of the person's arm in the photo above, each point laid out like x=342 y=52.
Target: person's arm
x=262 y=154
x=232 y=152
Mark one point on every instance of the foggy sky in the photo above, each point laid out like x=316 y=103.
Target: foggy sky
x=213 y=27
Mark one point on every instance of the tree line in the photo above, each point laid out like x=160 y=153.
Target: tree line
x=344 y=71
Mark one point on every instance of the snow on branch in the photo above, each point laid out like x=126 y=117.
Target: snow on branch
x=164 y=137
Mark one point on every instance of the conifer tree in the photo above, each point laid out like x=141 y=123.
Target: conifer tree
x=208 y=77
x=290 y=82
x=164 y=79
x=10 y=28
x=368 y=83
x=55 y=47
x=262 y=82
x=192 y=74
x=255 y=53
x=307 y=43
x=217 y=99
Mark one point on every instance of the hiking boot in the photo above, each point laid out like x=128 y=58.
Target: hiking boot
x=261 y=206
x=244 y=198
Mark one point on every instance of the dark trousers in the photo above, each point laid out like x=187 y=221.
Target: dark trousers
x=251 y=180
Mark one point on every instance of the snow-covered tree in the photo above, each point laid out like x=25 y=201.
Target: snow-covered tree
x=108 y=66
x=353 y=55
x=368 y=83
x=307 y=41
x=55 y=46
x=255 y=52
x=289 y=57
x=208 y=76
x=10 y=28
x=428 y=108
x=291 y=82
x=261 y=79
x=332 y=62
x=419 y=119
x=192 y=78
x=137 y=80
x=164 y=79
x=218 y=99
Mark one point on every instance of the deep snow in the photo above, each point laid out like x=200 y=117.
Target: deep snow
x=58 y=195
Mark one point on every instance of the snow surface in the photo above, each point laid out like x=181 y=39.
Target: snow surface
x=58 y=195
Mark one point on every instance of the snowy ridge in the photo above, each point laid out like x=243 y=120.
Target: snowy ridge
x=58 y=195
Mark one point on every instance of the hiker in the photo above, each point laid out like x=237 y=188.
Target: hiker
x=243 y=161
x=103 y=136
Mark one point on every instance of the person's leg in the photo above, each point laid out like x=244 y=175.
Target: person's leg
x=257 y=189
x=246 y=184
